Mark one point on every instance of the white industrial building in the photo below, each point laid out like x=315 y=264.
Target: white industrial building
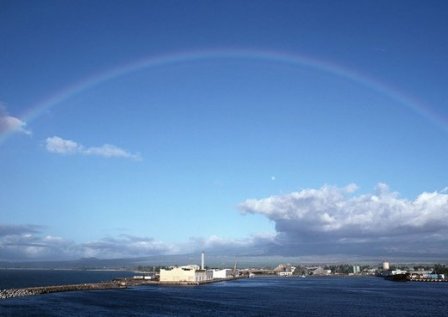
x=189 y=273
x=286 y=273
x=318 y=271
x=284 y=270
x=221 y=274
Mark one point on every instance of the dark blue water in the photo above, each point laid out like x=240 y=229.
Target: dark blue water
x=331 y=296
x=30 y=278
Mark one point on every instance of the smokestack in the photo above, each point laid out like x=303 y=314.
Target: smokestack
x=202 y=260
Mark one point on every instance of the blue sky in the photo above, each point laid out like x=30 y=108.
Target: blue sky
x=292 y=128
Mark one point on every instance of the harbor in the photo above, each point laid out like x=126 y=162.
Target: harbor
x=120 y=283
x=196 y=275
x=188 y=275
x=421 y=275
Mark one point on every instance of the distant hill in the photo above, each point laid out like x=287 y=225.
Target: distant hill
x=211 y=260
x=132 y=263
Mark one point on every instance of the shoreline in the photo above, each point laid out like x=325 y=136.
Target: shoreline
x=120 y=283
x=123 y=283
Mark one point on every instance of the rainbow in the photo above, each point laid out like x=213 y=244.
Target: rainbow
x=295 y=60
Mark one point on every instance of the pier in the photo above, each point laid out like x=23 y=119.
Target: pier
x=30 y=291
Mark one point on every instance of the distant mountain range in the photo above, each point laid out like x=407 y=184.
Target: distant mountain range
x=159 y=260
x=214 y=261
x=134 y=263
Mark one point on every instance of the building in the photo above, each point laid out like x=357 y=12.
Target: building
x=221 y=274
x=284 y=269
x=284 y=273
x=179 y=274
x=318 y=271
x=386 y=266
x=394 y=272
x=189 y=273
x=145 y=276
x=356 y=269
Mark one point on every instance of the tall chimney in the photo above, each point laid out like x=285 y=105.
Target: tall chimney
x=202 y=260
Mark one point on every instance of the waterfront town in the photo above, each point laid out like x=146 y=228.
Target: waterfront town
x=196 y=274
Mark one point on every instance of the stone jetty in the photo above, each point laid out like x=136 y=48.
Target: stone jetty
x=29 y=291
x=116 y=283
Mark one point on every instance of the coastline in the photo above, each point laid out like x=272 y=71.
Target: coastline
x=120 y=283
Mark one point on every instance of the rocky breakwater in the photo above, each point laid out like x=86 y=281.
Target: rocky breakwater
x=29 y=291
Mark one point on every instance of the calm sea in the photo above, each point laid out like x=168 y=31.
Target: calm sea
x=318 y=296
x=30 y=278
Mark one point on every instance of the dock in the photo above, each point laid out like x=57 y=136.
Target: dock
x=429 y=280
x=184 y=283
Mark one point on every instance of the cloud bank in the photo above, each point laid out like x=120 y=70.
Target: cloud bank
x=29 y=242
x=24 y=242
x=332 y=220
x=323 y=224
x=62 y=146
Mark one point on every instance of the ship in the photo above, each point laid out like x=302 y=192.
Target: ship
x=397 y=277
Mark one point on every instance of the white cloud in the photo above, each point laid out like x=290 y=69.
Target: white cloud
x=11 y=124
x=108 y=150
x=59 y=145
x=332 y=219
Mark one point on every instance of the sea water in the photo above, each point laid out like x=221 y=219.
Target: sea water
x=31 y=278
x=260 y=296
